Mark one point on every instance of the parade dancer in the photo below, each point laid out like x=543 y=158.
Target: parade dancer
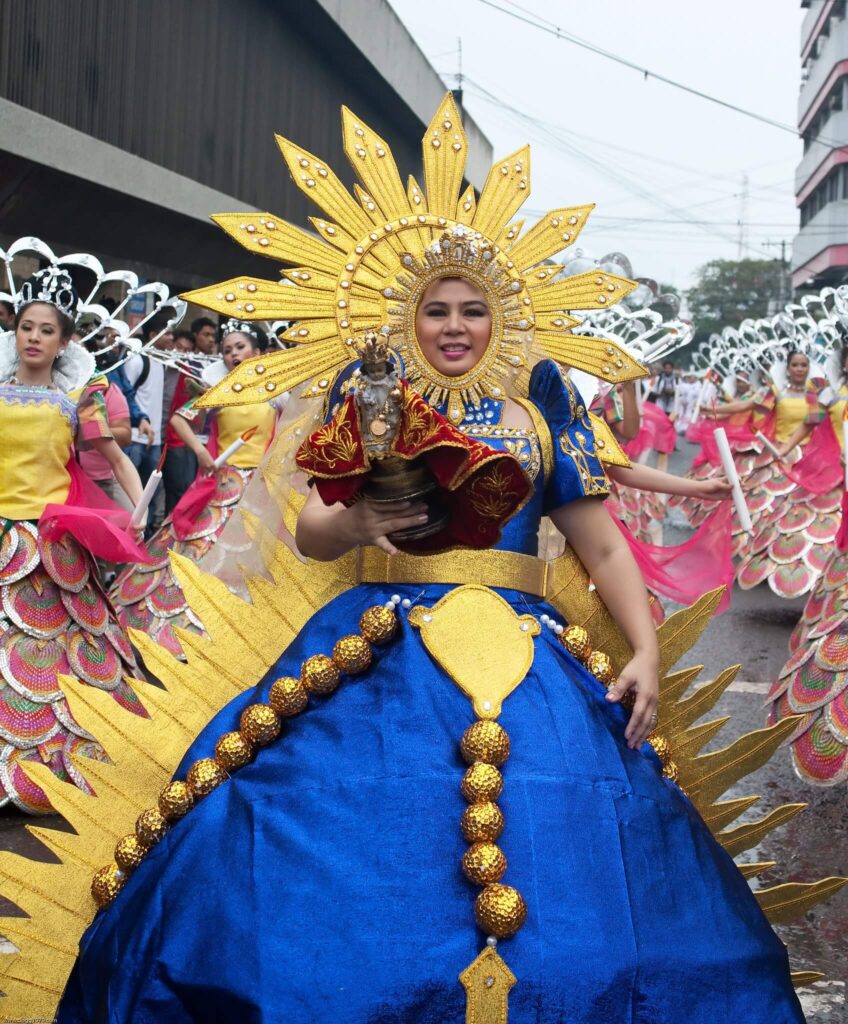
x=813 y=683
x=148 y=596
x=795 y=527
x=328 y=859
x=55 y=619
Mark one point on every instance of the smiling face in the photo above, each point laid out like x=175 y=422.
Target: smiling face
x=453 y=324
x=799 y=367
x=236 y=348
x=39 y=338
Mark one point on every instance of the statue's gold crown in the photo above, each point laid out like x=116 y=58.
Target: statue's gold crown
x=375 y=251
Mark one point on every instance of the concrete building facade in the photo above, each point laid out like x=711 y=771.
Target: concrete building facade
x=125 y=123
x=820 y=249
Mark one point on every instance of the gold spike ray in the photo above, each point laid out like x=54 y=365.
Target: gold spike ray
x=267 y=235
x=556 y=323
x=709 y=775
x=506 y=188
x=594 y=289
x=789 y=901
x=555 y=231
x=253 y=298
x=720 y=814
x=333 y=233
x=689 y=710
x=745 y=837
x=372 y=160
x=444 y=150
x=676 y=684
x=680 y=631
x=691 y=741
x=282 y=371
x=754 y=870
x=800 y=978
x=591 y=355
x=317 y=180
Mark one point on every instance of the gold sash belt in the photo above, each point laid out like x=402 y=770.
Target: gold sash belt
x=487 y=568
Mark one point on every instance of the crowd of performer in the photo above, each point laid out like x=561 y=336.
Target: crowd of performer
x=138 y=418
x=164 y=488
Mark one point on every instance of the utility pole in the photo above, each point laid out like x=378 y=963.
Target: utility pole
x=783 y=295
x=457 y=92
x=743 y=219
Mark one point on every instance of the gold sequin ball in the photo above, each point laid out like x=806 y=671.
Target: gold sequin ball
x=499 y=909
x=259 y=725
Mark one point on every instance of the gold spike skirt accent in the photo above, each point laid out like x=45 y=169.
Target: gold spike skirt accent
x=339 y=286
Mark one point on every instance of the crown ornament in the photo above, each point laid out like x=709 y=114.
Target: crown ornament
x=53 y=285
x=375 y=251
x=236 y=326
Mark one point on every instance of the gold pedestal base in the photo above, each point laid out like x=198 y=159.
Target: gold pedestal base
x=395 y=479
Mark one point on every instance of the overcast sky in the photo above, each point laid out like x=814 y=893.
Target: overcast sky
x=651 y=157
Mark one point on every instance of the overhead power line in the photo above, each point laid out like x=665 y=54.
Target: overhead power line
x=530 y=18
x=551 y=135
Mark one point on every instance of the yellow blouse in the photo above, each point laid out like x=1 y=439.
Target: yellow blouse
x=790 y=412
x=234 y=420
x=38 y=429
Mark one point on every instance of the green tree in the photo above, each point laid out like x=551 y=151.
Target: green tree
x=727 y=292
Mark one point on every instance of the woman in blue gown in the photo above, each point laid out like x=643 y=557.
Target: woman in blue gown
x=322 y=882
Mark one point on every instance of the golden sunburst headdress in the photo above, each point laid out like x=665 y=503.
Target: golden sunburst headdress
x=380 y=248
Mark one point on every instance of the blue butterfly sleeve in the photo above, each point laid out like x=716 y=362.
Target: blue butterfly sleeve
x=577 y=471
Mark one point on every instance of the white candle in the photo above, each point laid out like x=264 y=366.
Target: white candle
x=702 y=394
x=762 y=437
x=146 y=497
x=845 y=449
x=239 y=442
x=729 y=468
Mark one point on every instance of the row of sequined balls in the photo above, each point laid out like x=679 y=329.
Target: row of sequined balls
x=499 y=909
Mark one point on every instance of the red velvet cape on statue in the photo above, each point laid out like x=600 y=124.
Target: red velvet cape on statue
x=481 y=488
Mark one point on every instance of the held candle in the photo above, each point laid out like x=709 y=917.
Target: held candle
x=150 y=487
x=762 y=437
x=730 y=472
x=239 y=442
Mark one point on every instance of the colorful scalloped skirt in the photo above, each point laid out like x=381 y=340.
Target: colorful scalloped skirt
x=55 y=620
x=148 y=597
x=814 y=681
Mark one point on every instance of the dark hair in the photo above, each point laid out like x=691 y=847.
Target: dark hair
x=154 y=326
x=790 y=355
x=184 y=334
x=260 y=343
x=8 y=308
x=201 y=322
x=66 y=324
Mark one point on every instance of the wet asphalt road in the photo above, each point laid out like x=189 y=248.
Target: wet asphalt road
x=753 y=634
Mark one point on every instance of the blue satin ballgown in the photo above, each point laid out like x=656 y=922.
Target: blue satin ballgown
x=322 y=882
